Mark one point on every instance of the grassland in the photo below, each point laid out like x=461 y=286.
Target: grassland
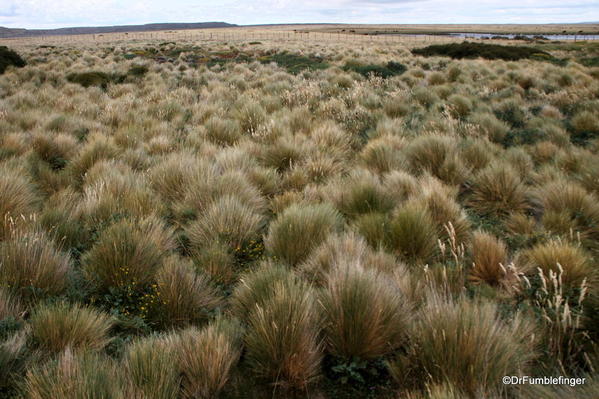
x=250 y=219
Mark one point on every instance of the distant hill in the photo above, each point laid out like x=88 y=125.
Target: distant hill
x=9 y=32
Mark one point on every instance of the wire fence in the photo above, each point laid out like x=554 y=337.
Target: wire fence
x=222 y=35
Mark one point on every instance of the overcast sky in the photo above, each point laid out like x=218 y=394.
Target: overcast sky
x=63 y=13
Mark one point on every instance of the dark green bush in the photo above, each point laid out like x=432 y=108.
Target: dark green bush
x=87 y=79
x=483 y=50
x=295 y=63
x=9 y=57
x=138 y=70
x=384 y=71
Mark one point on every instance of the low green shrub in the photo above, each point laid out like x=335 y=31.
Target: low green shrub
x=295 y=63
x=483 y=50
x=392 y=68
x=8 y=58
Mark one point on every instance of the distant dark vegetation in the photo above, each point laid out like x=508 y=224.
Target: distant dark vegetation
x=103 y=79
x=8 y=32
x=483 y=50
x=384 y=71
x=9 y=57
x=295 y=63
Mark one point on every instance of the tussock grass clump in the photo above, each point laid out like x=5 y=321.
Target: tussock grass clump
x=483 y=50
x=56 y=327
x=296 y=231
x=365 y=314
x=561 y=258
x=412 y=233
x=222 y=131
x=186 y=297
x=74 y=376
x=207 y=357
x=281 y=340
x=13 y=358
x=17 y=197
x=256 y=287
x=32 y=265
x=570 y=209
x=227 y=220
x=151 y=371
x=436 y=155
x=489 y=258
x=337 y=251
x=10 y=305
x=466 y=344
x=127 y=253
x=499 y=190
x=8 y=58
x=362 y=193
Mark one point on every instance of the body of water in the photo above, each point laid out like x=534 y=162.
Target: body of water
x=548 y=37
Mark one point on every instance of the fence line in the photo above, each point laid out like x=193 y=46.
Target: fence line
x=231 y=36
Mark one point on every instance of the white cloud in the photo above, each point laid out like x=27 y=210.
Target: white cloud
x=58 y=13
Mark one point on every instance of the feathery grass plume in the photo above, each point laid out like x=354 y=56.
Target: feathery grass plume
x=491 y=127
x=74 y=376
x=282 y=339
x=466 y=344
x=150 y=369
x=56 y=327
x=208 y=356
x=32 y=264
x=498 y=190
x=438 y=391
x=561 y=313
x=227 y=220
x=412 y=233
x=489 y=258
x=298 y=229
x=129 y=252
x=569 y=260
x=250 y=115
x=570 y=209
x=336 y=250
x=185 y=296
x=365 y=314
x=360 y=193
x=98 y=147
x=17 y=197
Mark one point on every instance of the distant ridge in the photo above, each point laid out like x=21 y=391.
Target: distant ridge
x=9 y=32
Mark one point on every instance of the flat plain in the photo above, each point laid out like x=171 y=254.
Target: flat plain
x=256 y=212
